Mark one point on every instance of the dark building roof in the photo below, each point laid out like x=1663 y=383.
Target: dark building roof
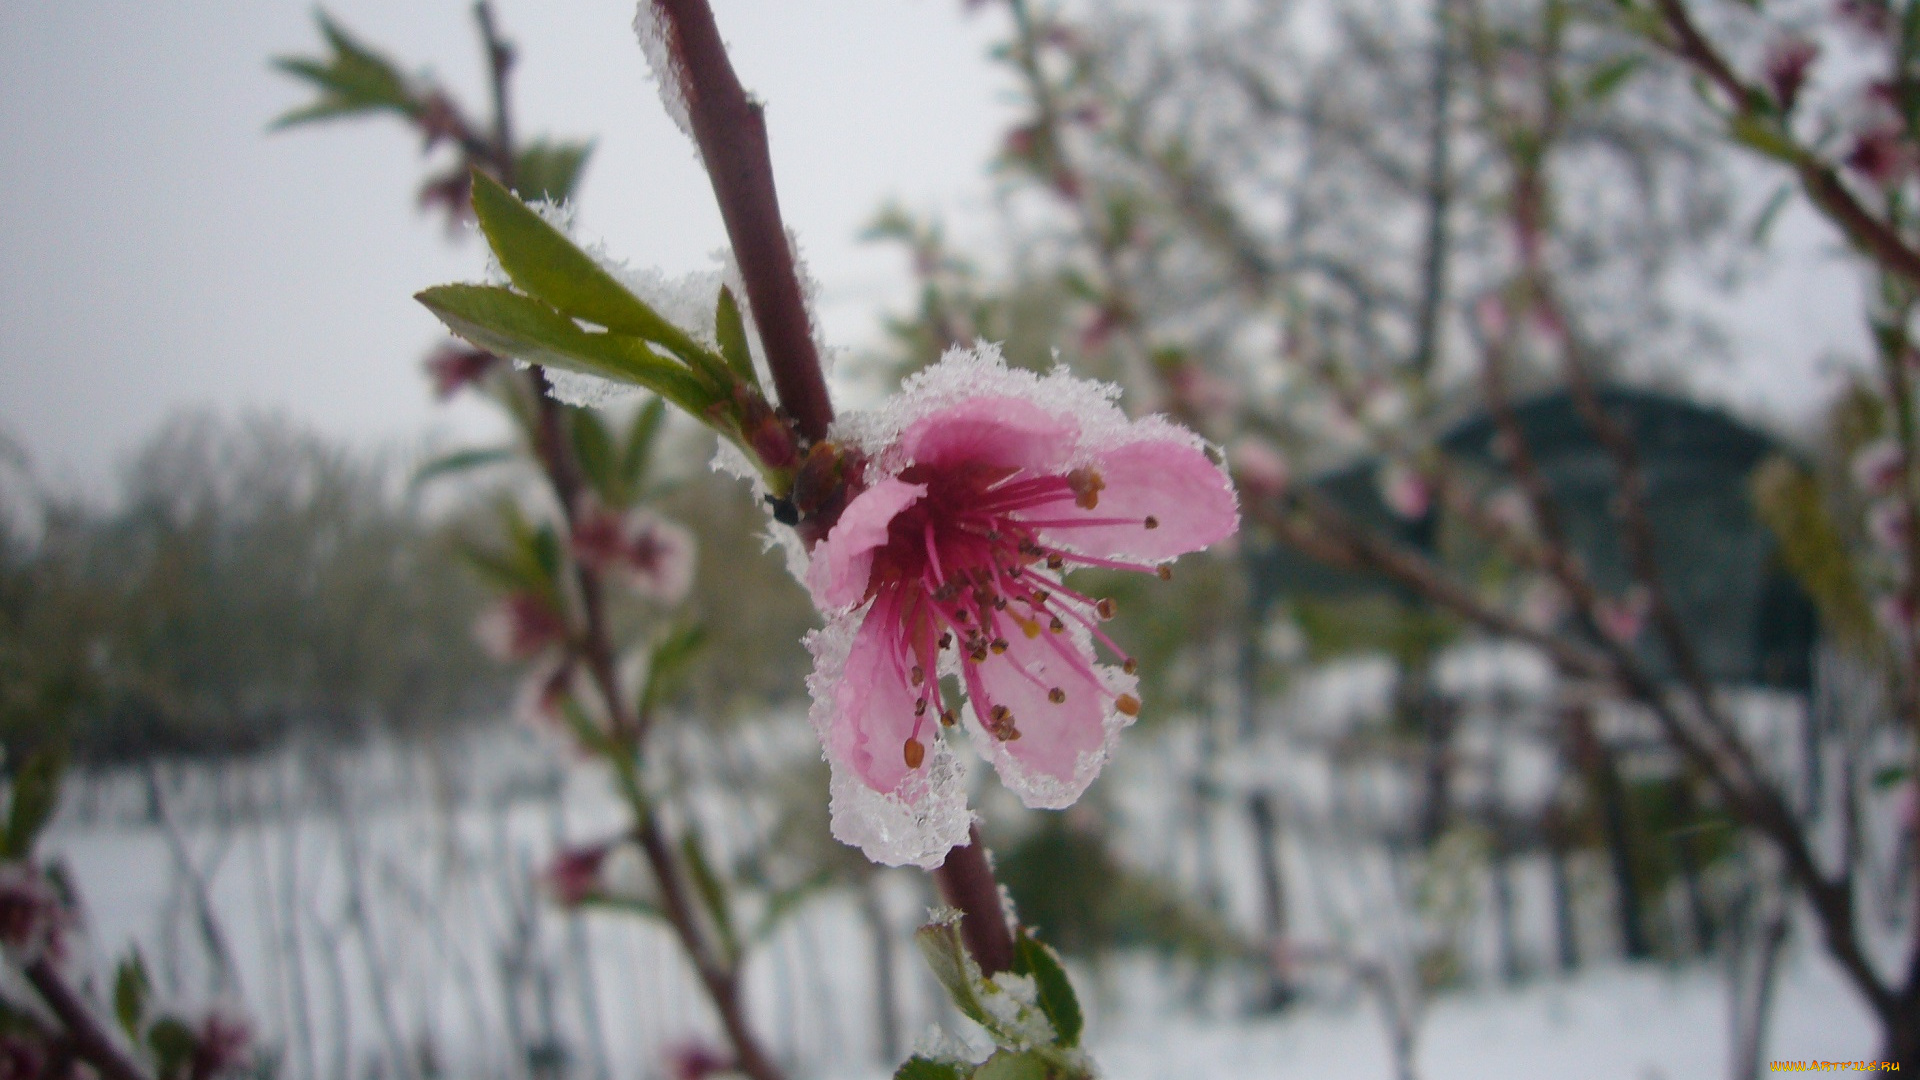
x=1750 y=621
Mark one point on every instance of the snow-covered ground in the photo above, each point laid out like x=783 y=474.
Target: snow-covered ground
x=383 y=907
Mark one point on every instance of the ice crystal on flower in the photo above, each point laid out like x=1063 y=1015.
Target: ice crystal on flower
x=986 y=486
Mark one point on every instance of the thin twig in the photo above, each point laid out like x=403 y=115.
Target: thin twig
x=1821 y=183
x=90 y=1040
x=731 y=131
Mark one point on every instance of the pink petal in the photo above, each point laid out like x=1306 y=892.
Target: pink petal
x=874 y=705
x=1189 y=498
x=1043 y=766
x=844 y=560
x=1001 y=431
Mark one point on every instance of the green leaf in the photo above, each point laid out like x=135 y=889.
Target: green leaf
x=637 y=455
x=947 y=956
x=1011 y=1065
x=543 y=261
x=173 y=1044
x=732 y=332
x=1887 y=776
x=1769 y=213
x=131 y=989
x=593 y=448
x=585 y=730
x=1765 y=136
x=1057 y=998
x=1612 y=76
x=713 y=894
x=921 y=1068
x=355 y=79
x=628 y=904
x=669 y=662
x=545 y=552
x=503 y=321
x=462 y=461
x=550 y=171
x=1789 y=501
x=36 y=793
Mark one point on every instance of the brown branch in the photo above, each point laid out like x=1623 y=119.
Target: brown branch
x=719 y=975
x=90 y=1040
x=1823 y=185
x=731 y=131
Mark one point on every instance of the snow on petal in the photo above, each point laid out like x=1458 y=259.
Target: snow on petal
x=1004 y=432
x=844 y=560
x=916 y=823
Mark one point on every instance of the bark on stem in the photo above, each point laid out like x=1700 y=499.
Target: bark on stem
x=731 y=131
x=966 y=882
x=90 y=1041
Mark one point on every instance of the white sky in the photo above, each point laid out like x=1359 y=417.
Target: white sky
x=158 y=249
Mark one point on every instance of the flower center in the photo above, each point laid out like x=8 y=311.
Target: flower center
x=963 y=569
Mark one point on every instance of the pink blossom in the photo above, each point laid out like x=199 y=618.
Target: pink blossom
x=1882 y=155
x=1624 y=617
x=520 y=626
x=1405 y=491
x=1895 y=614
x=1490 y=314
x=985 y=486
x=33 y=921
x=1872 y=17
x=651 y=554
x=1888 y=526
x=225 y=1044
x=1510 y=509
x=694 y=1060
x=1543 y=603
x=1785 y=65
x=1260 y=469
x=1876 y=468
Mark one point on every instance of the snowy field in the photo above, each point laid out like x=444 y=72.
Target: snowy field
x=384 y=916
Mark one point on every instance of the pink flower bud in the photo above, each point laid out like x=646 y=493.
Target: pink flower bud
x=454 y=368
x=33 y=920
x=695 y=1060
x=1624 y=617
x=1871 y=17
x=520 y=626
x=1787 y=60
x=574 y=874
x=225 y=1044
x=650 y=554
x=1882 y=155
